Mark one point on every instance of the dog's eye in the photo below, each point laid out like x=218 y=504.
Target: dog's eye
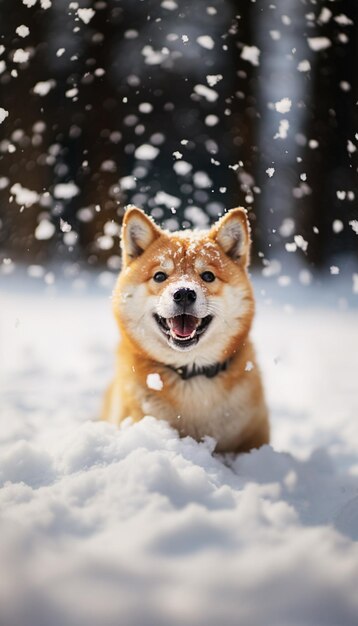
x=160 y=277
x=208 y=277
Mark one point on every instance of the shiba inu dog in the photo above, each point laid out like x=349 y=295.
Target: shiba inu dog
x=184 y=305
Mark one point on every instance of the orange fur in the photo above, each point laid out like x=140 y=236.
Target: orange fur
x=229 y=407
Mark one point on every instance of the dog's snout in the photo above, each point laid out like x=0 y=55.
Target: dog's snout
x=184 y=296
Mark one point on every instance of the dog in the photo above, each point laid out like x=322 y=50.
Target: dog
x=184 y=306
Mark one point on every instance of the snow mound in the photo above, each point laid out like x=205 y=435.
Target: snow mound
x=135 y=526
x=110 y=514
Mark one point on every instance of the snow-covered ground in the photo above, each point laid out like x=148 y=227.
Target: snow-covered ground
x=134 y=527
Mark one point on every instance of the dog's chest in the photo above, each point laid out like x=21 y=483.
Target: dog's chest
x=201 y=407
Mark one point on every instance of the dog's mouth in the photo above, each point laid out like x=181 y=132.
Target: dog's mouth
x=183 y=331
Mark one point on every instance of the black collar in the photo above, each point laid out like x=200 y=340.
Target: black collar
x=210 y=371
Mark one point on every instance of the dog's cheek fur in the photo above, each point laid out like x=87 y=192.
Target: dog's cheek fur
x=133 y=306
x=233 y=312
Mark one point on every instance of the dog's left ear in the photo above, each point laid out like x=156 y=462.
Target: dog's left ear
x=138 y=232
x=232 y=233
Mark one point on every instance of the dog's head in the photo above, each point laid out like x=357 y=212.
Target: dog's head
x=185 y=297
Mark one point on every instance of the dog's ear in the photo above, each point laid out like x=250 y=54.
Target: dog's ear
x=232 y=233
x=138 y=232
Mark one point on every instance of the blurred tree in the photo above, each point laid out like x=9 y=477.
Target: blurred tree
x=332 y=125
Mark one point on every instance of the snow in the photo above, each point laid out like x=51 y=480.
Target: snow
x=324 y=16
x=170 y=5
x=23 y=31
x=65 y=191
x=214 y=79
x=211 y=120
x=127 y=182
x=154 y=381
x=21 y=56
x=343 y=20
x=301 y=242
x=145 y=107
x=304 y=66
x=354 y=225
x=44 y=230
x=43 y=87
x=95 y=518
x=318 y=43
x=86 y=15
x=209 y=94
x=146 y=152
x=205 y=41
x=3 y=114
x=182 y=168
x=251 y=54
x=283 y=105
x=282 y=132
x=71 y=93
x=162 y=197
x=355 y=283
x=270 y=171
x=201 y=180
x=23 y=196
x=337 y=226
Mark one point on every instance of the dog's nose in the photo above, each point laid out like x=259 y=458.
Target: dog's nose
x=184 y=296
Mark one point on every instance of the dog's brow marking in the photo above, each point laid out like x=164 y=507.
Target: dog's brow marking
x=165 y=261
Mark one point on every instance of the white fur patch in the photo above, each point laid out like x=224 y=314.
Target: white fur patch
x=232 y=237
x=138 y=308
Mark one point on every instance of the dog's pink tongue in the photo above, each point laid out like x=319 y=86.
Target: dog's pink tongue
x=183 y=325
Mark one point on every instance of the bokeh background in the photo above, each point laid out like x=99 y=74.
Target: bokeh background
x=185 y=109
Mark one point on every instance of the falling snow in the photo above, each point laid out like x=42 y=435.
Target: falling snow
x=155 y=382
x=23 y=31
x=21 y=56
x=45 y=230
x=284 y=105
x=66 y=191
x=304 y=66
x=3 y=114
x=251 y=54
x=146 y=152
x=282 y=130
x=209 y=94
x=23 y=196
x=42 y=88
x=318 y=43
x=205 y=41
x=354 y=225
x=85 y=15
x=213 y=79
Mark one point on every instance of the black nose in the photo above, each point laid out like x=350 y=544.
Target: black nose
x=184 y=296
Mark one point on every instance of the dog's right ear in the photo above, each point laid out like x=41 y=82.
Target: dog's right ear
x=138 y=232
x=232 y=233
